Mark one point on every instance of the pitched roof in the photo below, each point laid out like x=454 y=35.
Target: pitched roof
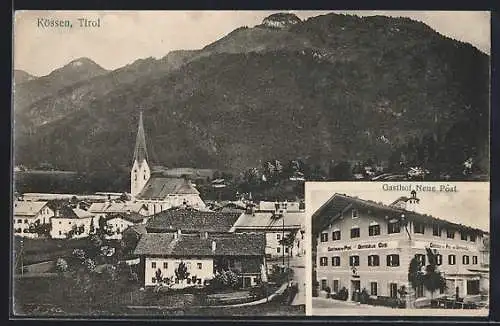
x=74 y=213
x=140 y=152
x=267 y=221
x=28 y=208
x=191 y=220
x=165 y=244
x=116 y=207
x=159 y=187
x=137 y=228
x=131 y=217
x=338 y=203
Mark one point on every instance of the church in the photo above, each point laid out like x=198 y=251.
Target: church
x=156 y=188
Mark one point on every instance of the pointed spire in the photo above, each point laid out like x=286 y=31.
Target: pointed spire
x=140 y=152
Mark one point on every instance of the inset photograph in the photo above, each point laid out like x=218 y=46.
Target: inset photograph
x=404 y=248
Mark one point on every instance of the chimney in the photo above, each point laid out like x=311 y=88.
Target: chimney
x=56 y=212
x=214 y=245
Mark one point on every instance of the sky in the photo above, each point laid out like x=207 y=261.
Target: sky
x=124 y=37
x=469 y=205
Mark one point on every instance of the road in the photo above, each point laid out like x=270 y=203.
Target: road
x=330 y=307
x=299 y=276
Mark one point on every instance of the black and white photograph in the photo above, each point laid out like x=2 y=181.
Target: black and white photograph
x=160 y=157
x=401 y=248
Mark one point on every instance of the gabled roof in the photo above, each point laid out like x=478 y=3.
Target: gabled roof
x=339 y=203
x=267 y=221
x=189 y=220
x=116 y=207
x=131 y=217
x=165 y=244
x=28 y=208
x=159 y=187
x=139 y=229
x=73 y=213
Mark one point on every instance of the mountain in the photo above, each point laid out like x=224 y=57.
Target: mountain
x=333 y=87
x=21 y=76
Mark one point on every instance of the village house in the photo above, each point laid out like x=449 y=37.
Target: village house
x=111 y=207
x=159 y=189
x=277 y=223
x=27 y=214
x=71 y=222
x=203 y=255
x=117 y=223
x=360 y=244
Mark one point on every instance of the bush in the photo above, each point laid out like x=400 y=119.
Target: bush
x=386 y=302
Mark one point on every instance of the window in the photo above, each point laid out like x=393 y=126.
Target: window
x=354 y=213
x=473 y=287
x=420 y=259
x=474 y=260
x=286 y=249
x=451 y=259
x=393 y=227
x=419 y=291
x=373 y=288
x=393 y=260
x=373 y=260
x=324 y=285
x=153 y=280
x=439 y=259
x=278 y=250
x=278 y=236
x=165 y=265
x=450 y=234
x=69 y=222
x=436 y=230
x=336 y=286
x=336 y=261
x=354 y=261
x=324 y=237
x=26 y=221
x=374 y=230
x=393 y=290
x=19 y=221
x=153 y=264
x=472 y=238
x=418 y=227
x=336 y=235
x=465 y=260
x=463 y=236
x=354 y=233
x=323 y=261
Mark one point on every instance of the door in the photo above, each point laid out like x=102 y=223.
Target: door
x=355 y=290
x=247 y=282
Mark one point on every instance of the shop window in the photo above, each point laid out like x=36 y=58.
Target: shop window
x=323 y=261
x=373 y=260
x=336 y=286
x=474 y=260
x=336 y=235
x=374 y=230
x=393 y=290
x=354 y=261
x=421 y=259
x=450 y=234
x=393 y=227
x=465 y=260
x=393 y=260
x=451 y=259
x=473 y=287
x=373 y=288
x=463 y=236
x=324 y=285
x=355 y=233
x=336 y=261
x=354 y=213
x=324 y=237
x=418 y=227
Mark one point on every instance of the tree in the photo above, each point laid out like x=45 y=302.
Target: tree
x=61 y=265
x=159 y=276
x=341 y=171
x=433 y=280
x=181 y=272
x=92 y=226
x=79 y=254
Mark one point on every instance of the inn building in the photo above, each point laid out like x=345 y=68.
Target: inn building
x=360 y=244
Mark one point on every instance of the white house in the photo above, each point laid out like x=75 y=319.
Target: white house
x=72 y=223
x=110 y=207
x=27 y=213
x=119 y=222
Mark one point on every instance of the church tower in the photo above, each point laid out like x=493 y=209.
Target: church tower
x=140 y=173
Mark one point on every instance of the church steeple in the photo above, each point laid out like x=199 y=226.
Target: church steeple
x=140 y=173
x=140 y=151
